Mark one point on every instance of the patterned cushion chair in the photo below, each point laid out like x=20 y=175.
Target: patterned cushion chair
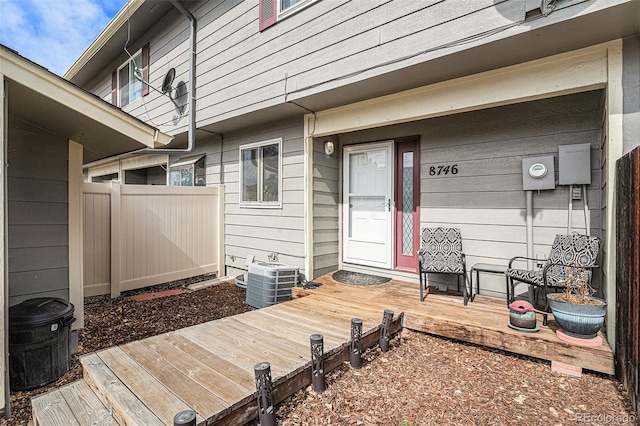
x=441 y=253
x=568 y=251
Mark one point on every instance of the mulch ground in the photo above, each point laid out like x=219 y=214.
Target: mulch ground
x=421 y=380
x=110 y=322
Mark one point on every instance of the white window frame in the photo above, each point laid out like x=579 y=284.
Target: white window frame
x=188 y=164
x=259 y=203
x=132 y=77
x=293 y=9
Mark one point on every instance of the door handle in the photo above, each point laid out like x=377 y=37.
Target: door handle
x=388 y=204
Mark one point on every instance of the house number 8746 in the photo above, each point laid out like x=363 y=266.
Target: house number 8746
x=443 y=170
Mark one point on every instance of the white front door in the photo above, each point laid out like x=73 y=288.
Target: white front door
x=367 y=195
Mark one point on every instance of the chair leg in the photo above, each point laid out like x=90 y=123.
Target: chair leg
x=464 y=290
x=421 y=286
x=507 y=279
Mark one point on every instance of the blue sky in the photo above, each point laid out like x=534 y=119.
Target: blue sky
x=53 y=33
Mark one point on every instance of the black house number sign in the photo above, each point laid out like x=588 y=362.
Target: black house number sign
x=443 y=170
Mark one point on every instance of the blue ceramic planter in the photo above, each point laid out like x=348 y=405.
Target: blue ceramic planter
x=582 y=321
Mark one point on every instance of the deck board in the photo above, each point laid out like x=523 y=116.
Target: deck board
x=127 y=407
x=142 y=383
x=240 y=376
x=176 y=382
x=52 y=409
x=226 y=389
x=209 y=367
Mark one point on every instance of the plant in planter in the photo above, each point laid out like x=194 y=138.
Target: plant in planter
x=576 y=310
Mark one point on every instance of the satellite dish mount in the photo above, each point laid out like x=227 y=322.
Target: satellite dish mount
x=176 y=94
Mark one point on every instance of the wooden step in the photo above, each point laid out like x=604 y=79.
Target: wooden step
x=141 y=400
x=73 y=404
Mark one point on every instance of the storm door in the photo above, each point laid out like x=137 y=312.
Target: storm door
x=367 y=204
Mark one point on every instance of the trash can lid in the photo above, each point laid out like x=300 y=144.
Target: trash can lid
x=39 y=311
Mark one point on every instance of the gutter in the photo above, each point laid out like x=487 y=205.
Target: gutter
x=109 y=31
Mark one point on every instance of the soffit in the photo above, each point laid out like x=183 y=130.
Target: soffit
x=131 y=23
x=51 y=103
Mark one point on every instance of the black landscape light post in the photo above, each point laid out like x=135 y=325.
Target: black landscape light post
x=355 y=355
x=185 y=418
x=264 y=386
x=317 y=363
x=385 y=330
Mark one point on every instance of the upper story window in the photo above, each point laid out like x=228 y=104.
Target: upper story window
x=272 y=10
x=188 y=171
x=286 y=5
x=126 y=87
x=129 y=87
x=261 y=174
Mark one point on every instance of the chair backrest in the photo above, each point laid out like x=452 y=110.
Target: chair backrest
x=441 y=250
x=572 y=249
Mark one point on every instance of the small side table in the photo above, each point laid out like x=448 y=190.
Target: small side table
x=488 y=268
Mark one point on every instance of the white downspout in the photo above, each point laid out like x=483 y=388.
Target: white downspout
x=4 y=163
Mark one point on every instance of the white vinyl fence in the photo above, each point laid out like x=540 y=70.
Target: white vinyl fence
x=140 y=235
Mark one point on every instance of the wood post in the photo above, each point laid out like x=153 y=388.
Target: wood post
x=627 y=348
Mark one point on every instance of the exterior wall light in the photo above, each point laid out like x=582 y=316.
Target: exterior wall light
x=329 y=147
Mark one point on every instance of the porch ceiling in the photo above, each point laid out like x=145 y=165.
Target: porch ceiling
x=99 y=139
x=52 y=103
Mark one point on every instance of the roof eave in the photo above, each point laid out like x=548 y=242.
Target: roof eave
x=101 y=40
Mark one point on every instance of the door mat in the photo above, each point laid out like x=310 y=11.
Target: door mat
x=356 y=278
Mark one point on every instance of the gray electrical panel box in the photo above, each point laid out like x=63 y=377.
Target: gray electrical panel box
x=538 y=173
x=574 y=164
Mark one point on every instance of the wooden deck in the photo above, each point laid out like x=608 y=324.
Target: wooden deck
x=209 y=367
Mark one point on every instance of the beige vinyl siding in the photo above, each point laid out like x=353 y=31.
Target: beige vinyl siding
x=37 y=218
x=261 y=231
x=326 y=201
x=240 y=69
x=485 y=199
x=332 y=39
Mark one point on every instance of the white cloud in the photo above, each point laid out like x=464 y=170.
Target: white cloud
x=53 y=33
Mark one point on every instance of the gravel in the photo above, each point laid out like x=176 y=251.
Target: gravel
x=421 y=380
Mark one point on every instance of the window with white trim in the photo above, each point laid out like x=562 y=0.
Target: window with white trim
x=271 y=11
x=188 y=171
x=129 y=86
x=288 y=4
x=261 y=174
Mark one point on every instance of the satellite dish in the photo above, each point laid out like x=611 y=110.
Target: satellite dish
x=168 y=81
x=180 y=100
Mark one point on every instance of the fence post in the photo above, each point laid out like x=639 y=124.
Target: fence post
x=116 y=239
x=220 y=224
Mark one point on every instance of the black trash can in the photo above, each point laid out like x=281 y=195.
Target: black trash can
x=39 y=336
